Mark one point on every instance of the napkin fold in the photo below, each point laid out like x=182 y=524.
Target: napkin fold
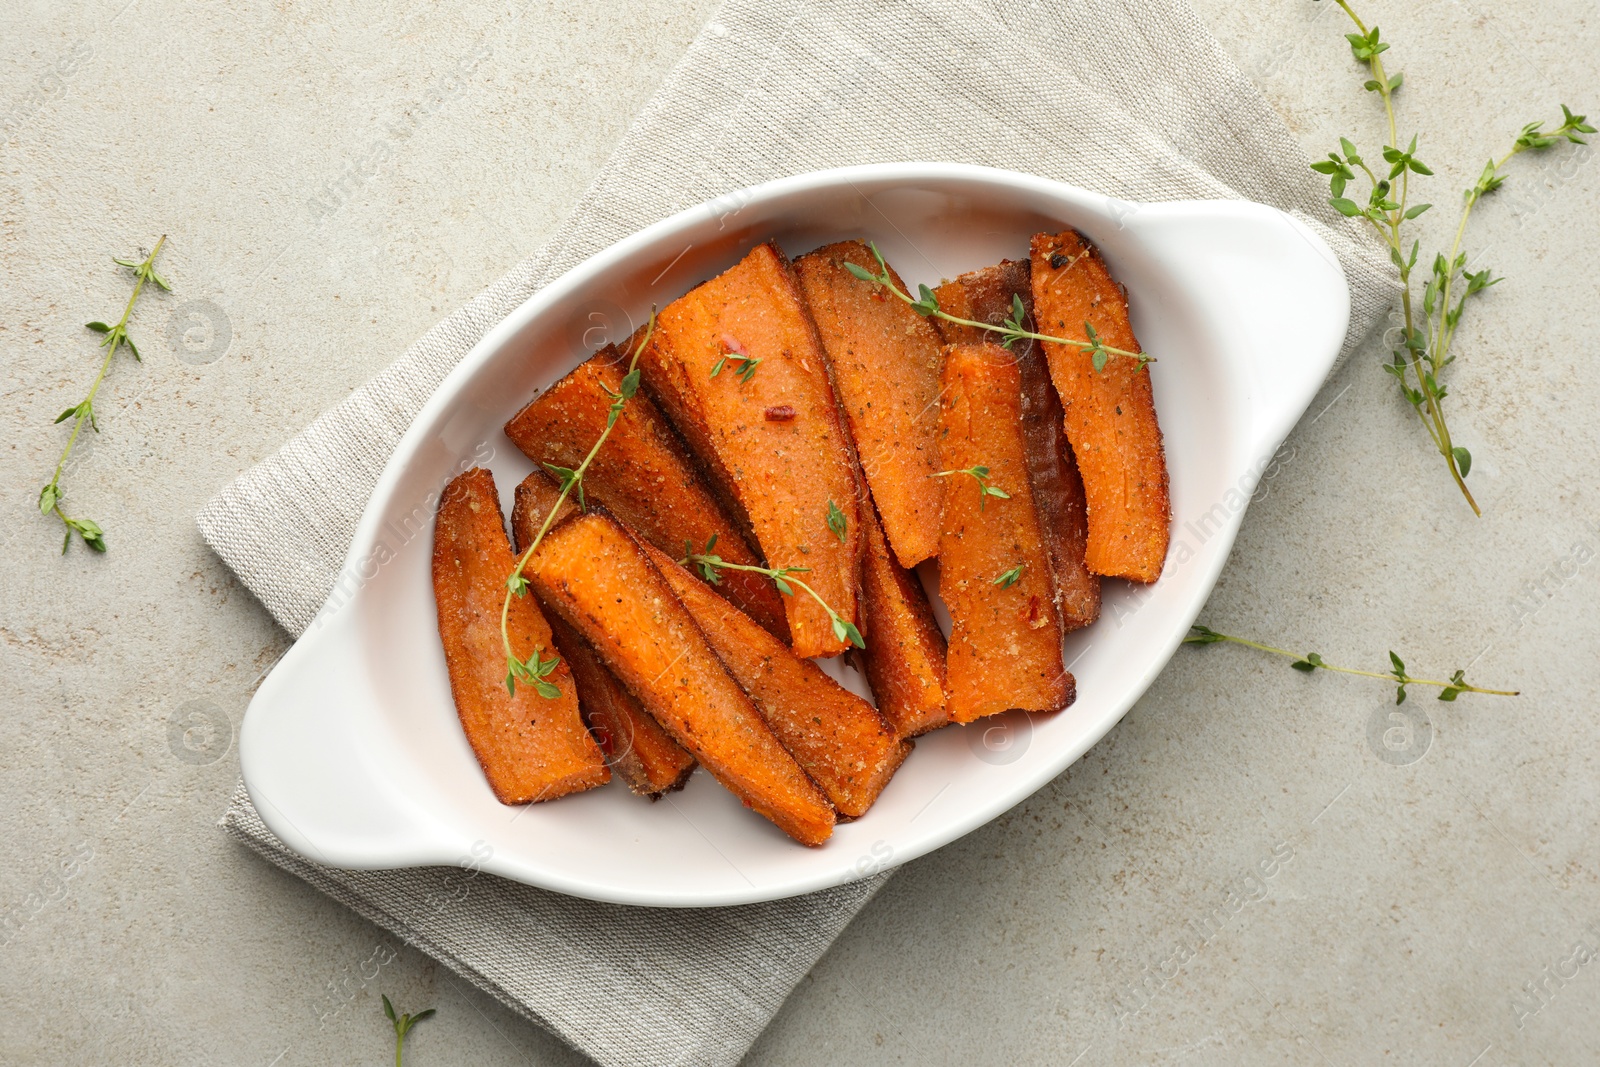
x=1132 y=98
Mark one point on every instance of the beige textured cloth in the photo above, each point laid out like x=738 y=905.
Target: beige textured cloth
x=1132 y=98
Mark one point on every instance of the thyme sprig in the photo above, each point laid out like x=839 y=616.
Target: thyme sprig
x=402 y=1026
x=1311 y=661
x=82 y=413
x=784 y=578
x=536 y=670
x=1012 y=330
x=1424 y=350
x=979 y=474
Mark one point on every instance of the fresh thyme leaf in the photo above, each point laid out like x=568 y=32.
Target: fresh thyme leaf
x=1310 y=663
x=402 y=1026
x=846 y=631
x=744 y=370
x=860 y=272
x=1457 y=686
x=1009 y=578
x=836 y=521
x=570 y=479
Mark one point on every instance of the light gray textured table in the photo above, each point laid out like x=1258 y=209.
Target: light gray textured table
x=1429 y=884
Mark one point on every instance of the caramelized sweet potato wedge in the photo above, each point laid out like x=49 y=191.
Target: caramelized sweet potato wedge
x=837 y=738
x=643 y=475
x=905 y=653
x=995 y=575
x=591 y=572
x=638 y=750
x=531 y=748
x=885 y=360
x=534 y=497
x=1110 y=413
x=737 y=366
x=986 y=296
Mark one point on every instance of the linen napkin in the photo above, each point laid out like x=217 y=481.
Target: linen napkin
x=1132 y=98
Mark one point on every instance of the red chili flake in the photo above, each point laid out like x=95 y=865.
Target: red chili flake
x=780 y=413
x=1032 y=617
x=731 y=343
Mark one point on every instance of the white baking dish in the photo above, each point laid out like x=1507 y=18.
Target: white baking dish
x=351 y=748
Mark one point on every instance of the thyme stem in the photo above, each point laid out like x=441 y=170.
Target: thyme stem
x=83 y=412
x=534 y=670
x=1311 y=661
x=783 y=577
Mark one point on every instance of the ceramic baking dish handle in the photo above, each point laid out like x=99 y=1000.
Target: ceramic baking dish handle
x=1269 y=285
x=307 y=754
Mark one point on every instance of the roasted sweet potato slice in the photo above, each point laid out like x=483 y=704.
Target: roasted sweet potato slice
x=534 y=497
x=592 y=572
x=905 y=653
x=638 y=750
x=531 y=748
x=737 y=366
x=643 y=475
x=1110 y=413
x=837 y=738
x=986 y=296
x=885 y=360
x=994 y=570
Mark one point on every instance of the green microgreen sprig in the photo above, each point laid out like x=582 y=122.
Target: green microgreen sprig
x=979 y=474
x=709 y=563
x=1009 y=578
x=744 y=369
x=1311 y=661
x=83 y=413
x=536 y=670
x=402 y=1026
x=1424 y=350
x=1012 y=330
x=837 y=521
